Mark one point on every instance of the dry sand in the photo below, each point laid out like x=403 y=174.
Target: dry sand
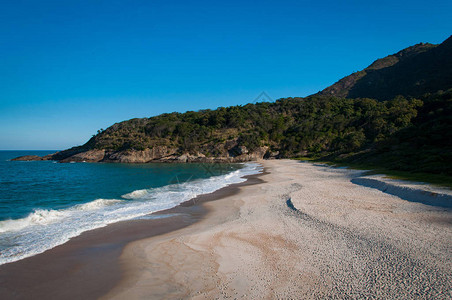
x=343 y=241
x=86 y=267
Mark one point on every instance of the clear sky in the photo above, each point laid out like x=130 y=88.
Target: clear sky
x=69 y=68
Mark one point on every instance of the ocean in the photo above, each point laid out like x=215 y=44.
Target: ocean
x=44 y=203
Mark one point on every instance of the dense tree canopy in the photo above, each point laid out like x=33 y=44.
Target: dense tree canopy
x=334 y=127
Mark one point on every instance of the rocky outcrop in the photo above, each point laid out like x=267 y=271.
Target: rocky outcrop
x=156 y=154
x=88 y=156
x=28 y=158
x=227 y=157
x=139 y=156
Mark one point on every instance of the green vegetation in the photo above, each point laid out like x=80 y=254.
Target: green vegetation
x=347 y=123
x=293 y=126
x=424 y=146
x=403 y=134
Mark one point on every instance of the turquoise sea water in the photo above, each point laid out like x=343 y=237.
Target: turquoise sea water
x=44 y=203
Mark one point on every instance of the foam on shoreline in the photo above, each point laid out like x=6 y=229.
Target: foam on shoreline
x=343 y=241
x=45 y=229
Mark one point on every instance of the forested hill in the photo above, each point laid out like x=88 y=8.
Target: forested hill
x=403 y=133
x=414 y=71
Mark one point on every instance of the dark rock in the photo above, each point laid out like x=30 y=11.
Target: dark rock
x=28 y=158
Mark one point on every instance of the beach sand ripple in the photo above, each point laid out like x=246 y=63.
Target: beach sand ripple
x=307 y=232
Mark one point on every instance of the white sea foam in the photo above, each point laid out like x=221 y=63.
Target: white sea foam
x=45 y=229
x=135 y=194
x=38 y=217
x=96 y=204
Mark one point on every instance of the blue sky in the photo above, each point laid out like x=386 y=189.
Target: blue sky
x=69 y=68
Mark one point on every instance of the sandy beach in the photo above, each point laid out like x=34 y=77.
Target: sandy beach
x=298 y=231
x=343 y=240
x=87 y=266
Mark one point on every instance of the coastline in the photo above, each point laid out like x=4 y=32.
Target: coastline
x=298 y=230
x=340 y=240
x=87 y=265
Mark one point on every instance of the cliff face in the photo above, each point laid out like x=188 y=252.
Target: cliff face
x=156 y=154
x=414 y=71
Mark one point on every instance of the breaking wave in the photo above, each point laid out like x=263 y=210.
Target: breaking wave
x=44 y=229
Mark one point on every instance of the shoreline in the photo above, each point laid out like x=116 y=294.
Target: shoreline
x=297 y=230
x=340 y=240
x=87 y=265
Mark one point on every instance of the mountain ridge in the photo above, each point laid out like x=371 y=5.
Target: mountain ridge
x=413 y=71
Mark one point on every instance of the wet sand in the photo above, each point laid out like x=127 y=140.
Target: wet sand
x=304 y=231
x=308 y=232
x=87 y=266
